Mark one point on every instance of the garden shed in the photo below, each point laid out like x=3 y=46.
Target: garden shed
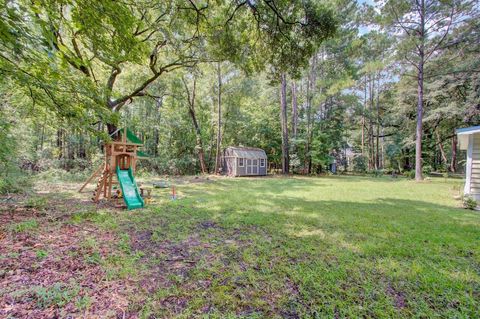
x=244 y=161
x=469 y=140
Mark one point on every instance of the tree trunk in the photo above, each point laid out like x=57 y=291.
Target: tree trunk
x=156 y=133
x=212 y=140
x=81 y=150
x=60 y=143
x=42 y=137
x=363 y=116
x=294 y=117
x=419 y=131
x=112 y=128
x=377 y=153
x=453 y=162
x=294 y=110
x=310 y=90
x=383 y=149
x=198 y=133
x=440 y=146
x=284 y=124
x=219 y=123
x=198 y=141
x=371 y=142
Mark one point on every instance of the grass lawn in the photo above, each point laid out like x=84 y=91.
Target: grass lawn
x=328 y=247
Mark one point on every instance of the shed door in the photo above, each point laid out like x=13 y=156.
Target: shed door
x=252 y=166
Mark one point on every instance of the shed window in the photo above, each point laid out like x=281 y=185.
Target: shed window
x=262 y=162
x=241 y=162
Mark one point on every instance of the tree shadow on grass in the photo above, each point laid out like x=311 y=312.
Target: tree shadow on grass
x=390 y=220
x=404 y=249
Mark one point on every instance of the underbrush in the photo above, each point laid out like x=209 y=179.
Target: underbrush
x=21 y=181
x=60 y=175
x=17 y=183
x=36 y=202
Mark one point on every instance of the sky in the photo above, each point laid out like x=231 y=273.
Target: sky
x=365 y=29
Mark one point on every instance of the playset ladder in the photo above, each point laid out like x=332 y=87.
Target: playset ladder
x=100 y=186
x=95 y=173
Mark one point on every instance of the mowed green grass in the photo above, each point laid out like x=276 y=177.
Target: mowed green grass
x=309 y=248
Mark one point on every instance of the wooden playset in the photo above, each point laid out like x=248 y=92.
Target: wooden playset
x=118 y=168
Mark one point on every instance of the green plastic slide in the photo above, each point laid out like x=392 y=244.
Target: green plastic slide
x=130 y=192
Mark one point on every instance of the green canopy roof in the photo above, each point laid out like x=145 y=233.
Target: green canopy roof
x=142 y=154
x=133 y=138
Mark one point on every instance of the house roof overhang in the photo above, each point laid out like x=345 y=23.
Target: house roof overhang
x=463 y=134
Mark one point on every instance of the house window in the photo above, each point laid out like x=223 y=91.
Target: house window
x=241 y=162
x=262 y=162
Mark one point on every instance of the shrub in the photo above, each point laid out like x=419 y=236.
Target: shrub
x=469 y=202
x=8 y=186
x=427 y=170
x=376 y=172
x=409 y=174
x=360 y=164
x=388 y=171
x=13 y=184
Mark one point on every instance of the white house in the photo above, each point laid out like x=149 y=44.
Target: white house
x=469 y=139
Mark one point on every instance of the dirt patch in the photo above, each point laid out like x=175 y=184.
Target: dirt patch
x=173 y=266
x=398 y=297
x=53 y=206
x=289 y=309
x=47 y=274
x=208 y=224
x=167 y=259
x=15 y=214
x=13 y=210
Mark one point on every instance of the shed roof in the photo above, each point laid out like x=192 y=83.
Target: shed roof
x=247 y=152
x=463 y=135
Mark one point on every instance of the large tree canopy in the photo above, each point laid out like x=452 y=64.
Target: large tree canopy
x=78 y=56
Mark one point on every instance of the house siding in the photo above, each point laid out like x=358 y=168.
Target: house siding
x=475 y=165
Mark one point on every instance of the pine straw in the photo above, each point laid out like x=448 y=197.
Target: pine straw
x=23 y=272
